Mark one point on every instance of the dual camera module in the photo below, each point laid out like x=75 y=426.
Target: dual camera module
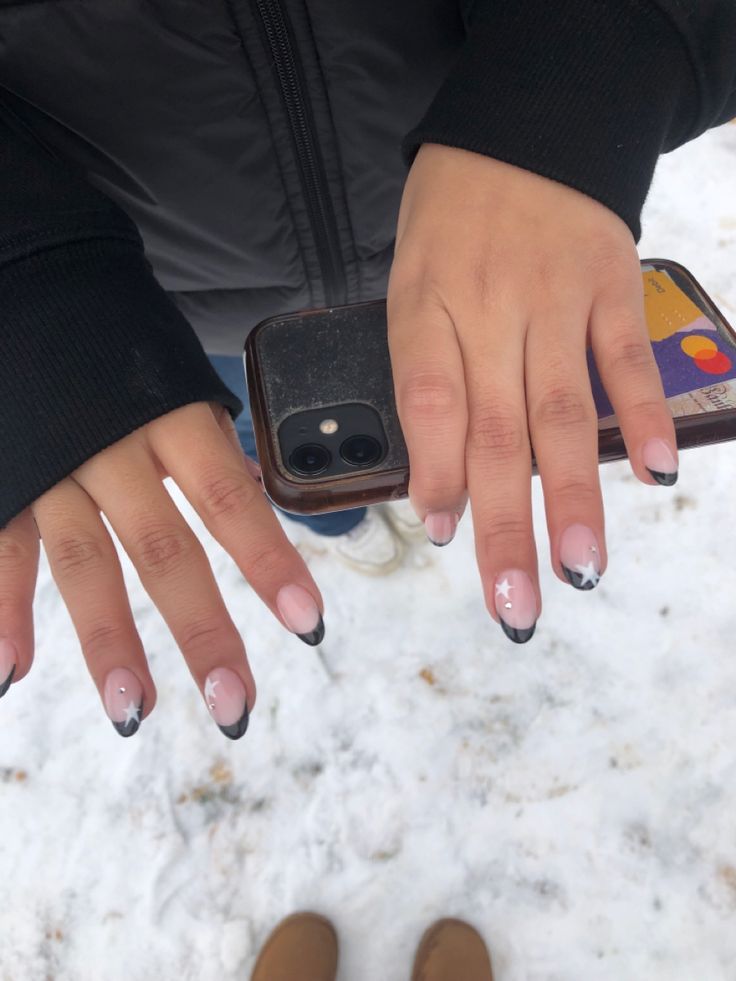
x=311 y=459
x=332 y=440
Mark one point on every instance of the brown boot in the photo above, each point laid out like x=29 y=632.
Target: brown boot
x=303 y=947
x=452 y=950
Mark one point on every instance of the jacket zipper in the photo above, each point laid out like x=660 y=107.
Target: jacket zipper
x=319 y=205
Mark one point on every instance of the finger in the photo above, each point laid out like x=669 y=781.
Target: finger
x=627 y=367
x=564 y=432
x=174 y=570
x=428 y=378
x=237 y=514
x=19 y=551
x=86 y=569
x=226 y=424
x=498 y=466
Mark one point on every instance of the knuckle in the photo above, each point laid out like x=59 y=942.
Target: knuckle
x=74 y=555
x=503 y=530
x=205 y=634
x=12 y=553
x=560 y=406
x=630 y=355
x=429 y=393
x=573 y=491
x=495 y=429
x=161 y=549
x=265 y=561
x=649 y=409
x=226 y=495
x=99 y=638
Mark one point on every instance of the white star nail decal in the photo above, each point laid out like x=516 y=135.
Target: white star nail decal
x=131 y=713
x=502 y=588
x=209 y=688
x=589 y=573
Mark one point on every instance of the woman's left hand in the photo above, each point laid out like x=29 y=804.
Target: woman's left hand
x=500 y=277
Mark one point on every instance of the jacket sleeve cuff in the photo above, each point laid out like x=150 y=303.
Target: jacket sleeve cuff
x=583 y=93
x=102 y=351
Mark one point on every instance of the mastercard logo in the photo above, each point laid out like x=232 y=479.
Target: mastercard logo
x=706 y=355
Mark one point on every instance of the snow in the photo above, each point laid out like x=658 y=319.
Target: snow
x=572 y=798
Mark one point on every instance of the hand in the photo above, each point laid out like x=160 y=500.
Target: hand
x=499 y=278
x=198 y=447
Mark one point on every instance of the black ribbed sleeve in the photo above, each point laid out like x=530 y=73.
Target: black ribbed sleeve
x=92 y=347
x=587 y=92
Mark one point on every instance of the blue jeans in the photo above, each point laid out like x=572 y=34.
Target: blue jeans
x=230 y=369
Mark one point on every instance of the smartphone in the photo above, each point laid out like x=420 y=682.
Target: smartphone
x=324 y=415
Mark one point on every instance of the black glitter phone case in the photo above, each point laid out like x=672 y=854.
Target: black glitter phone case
x=324 y=415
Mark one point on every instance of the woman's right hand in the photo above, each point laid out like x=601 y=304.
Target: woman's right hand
x=197 y=446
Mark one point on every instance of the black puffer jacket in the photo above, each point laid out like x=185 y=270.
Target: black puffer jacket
x=260 y=148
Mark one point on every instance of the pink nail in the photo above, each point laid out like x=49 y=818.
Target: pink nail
x=225 y=696
x=441 y=526
x=660 y=461
x=123 y=699
x=8 y=664
x=516 y=605
x=301 y=614
x=580 y=557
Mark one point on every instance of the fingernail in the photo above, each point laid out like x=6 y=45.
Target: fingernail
x=123 y=698
x=516 y=605
x=441 y=527
x=8 y=664
x=301 y=614
x=224 y=694
x=580 y=557
x=660 y=461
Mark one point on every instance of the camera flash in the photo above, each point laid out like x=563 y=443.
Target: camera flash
x=328 y=426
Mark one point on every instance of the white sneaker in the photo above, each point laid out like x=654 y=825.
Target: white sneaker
x=371 y=547
x=404 y=521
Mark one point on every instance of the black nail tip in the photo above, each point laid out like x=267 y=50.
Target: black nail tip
x=126 y=730
x=8 y=681
x=665 y=479
x=315 y=636
x=440 y=544
x=129 y=728
x=576 y=579
x=518 y=636
x=236 y=729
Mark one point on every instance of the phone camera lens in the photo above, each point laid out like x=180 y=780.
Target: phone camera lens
x=361 y=451
x=310 y=459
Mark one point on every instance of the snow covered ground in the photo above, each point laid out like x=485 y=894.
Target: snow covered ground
x=575 y=798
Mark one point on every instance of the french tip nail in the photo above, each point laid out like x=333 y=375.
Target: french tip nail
x=8 y=681
x=517 y=635
x=130 y=727
x=315 y=636
x=237 y=729
x=126 y=730
x=665 y=479
x=441 y=527
x=576 y=579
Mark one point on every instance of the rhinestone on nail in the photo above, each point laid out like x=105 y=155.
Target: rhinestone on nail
x=507 y=606
x=121 y=690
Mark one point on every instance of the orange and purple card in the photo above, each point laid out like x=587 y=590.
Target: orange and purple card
x=690 y=352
